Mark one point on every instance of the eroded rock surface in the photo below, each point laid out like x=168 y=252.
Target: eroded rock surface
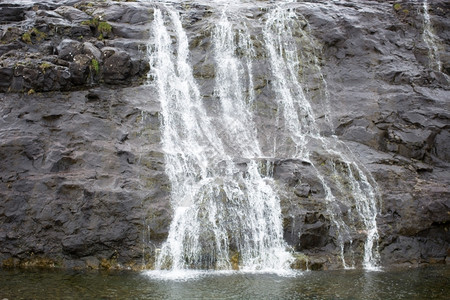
x=82 y=177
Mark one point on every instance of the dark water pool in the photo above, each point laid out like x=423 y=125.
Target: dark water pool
x=423 y=283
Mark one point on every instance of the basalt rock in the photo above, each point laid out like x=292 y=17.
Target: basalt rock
x=38 y=34
x=80 y=170
x=82 y=180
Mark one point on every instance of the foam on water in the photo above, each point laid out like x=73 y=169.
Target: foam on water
x=188 y=275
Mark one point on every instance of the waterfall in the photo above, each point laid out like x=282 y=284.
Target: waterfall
x=226 y=214
x=239 y=130
x=226 y=205
x=354 y=187
x=430 y=39
x=184 y=140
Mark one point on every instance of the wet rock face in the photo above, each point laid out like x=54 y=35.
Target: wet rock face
x=82 y=177
x=73 y=183
x=387 y=98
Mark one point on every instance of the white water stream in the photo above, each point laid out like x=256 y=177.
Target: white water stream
x=299 y=120
x=430 y=39
x=226 y=211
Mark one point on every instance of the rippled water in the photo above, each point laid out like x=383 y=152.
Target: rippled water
x=423 y=283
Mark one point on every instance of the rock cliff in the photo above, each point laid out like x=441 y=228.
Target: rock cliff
x=82 y=181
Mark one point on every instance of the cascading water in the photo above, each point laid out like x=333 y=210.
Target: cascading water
x=430 y=39
x=238 y=126
x=300 y=122
x=226 y=207
x=224 y=210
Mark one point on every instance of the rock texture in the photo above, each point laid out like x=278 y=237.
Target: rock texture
x=82 y=180
x=393 y=106
x=69 y=45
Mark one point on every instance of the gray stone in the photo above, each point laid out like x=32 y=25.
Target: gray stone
x=80 y=69
x=117 y=65
x=442 y=145
x=68 y=48
x=11 y=13
x=92 y=51
x=72 y=14
x=81 y=166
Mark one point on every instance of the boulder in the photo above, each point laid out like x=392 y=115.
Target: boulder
x=117 y=67
x=72 y=14
x=68 y=49
x=11 y=13
x=80 y=69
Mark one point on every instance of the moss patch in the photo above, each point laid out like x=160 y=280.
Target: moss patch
x=26 y=37
x=95 y=65
x=102 y=28
x=92 y=22
x=44 y=66
x=34 y=32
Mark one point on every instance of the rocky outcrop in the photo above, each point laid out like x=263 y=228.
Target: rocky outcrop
x=82 y=180
x=72 y=45
x=396 y=118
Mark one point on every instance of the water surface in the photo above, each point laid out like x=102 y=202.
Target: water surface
x=422 y=283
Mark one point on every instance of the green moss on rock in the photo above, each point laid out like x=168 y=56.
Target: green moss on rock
x=104 y=27
x=26 y=37
x=95 y=65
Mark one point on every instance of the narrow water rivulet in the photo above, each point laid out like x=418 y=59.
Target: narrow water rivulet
x=225 y=200
x=430 y=39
